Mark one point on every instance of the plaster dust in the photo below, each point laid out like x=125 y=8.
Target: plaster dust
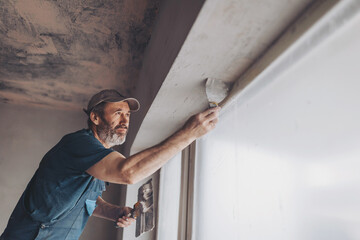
x=17 y=38
x=44 y=14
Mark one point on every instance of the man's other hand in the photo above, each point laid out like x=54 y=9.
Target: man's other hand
x=124 y=220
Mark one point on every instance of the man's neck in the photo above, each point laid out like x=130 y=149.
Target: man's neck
x=93 y=129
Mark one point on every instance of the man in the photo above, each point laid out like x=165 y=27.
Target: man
x=66 y=188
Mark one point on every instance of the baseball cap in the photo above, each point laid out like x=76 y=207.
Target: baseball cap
x=111 y=95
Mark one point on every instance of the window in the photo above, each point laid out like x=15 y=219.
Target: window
x=283 y=161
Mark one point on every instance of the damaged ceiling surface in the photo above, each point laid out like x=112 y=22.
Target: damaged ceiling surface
x=226 y=38
x=59 y=53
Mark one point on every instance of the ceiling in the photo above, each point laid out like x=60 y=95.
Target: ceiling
x=58 y=53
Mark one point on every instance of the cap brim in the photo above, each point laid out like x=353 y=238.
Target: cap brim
x=134 y=104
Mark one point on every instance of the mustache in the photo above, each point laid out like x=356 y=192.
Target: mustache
x=121 y=126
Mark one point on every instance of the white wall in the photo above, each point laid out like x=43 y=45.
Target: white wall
x=26 y=135
x=283 y=163
x=170 y=199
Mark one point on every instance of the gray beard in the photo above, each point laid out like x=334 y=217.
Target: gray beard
x=109 y=136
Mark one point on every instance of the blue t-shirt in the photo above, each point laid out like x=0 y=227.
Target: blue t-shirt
x=57 y=193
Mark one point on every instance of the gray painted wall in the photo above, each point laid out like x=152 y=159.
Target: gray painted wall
x=26 y=135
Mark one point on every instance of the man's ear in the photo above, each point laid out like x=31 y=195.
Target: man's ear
x=94 y=118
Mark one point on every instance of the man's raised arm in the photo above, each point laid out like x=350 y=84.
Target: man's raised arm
x=116 y=168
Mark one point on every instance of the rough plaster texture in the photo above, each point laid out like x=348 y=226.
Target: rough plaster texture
x=26 y=135
x=58 y=53
x=226 y=38
x=172 y=27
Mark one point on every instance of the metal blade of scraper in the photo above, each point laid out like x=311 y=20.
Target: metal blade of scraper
x=216 y=91
x=144 y=208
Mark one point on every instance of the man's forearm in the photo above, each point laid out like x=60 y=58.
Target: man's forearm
x=146 y=162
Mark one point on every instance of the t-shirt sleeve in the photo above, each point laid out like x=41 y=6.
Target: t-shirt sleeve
x=82 y=152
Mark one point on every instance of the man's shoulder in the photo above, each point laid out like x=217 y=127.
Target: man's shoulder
x=79 y=135
x=82 y=140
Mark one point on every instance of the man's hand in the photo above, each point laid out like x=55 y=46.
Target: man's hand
x=125 y=221
x=201 y=123
x=114 y=213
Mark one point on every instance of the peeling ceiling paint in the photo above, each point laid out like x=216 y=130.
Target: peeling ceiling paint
x=59 y=53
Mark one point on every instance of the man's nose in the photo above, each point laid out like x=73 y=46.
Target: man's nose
x=124 y=119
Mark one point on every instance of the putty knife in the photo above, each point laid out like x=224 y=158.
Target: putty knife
x=143 y=210
x=216 y=91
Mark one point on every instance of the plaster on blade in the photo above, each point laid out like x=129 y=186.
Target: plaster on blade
x=216 y=91
x=144 y=209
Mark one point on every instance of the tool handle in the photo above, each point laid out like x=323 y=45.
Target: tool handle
x=213 y=104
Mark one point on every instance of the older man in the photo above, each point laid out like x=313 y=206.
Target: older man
x=66 y=188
